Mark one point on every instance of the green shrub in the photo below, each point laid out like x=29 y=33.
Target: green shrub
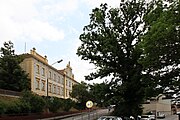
x=79 y=106
x=32 y=101
x=37 y=103
x=67 y=104
x=55 y=104
x=13 y=107
x=10 y=107
x=3 y=107
x=25 y=107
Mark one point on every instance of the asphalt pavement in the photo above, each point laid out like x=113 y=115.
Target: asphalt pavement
x=96 y=114
x=84 y=116
x=170 y=117
x=90 y=115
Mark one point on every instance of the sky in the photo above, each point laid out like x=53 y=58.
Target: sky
x=52 y=27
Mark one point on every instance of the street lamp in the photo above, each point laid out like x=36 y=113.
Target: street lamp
x=48 y=84
x=59 y=61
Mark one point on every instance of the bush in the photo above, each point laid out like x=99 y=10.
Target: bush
x=13 y=108
x=37 y=103
x=32 y=101
x=25 y=107
x=55 y=104
x=68 y=104
x=10 y=107
x=3 y=107
x=79 y=106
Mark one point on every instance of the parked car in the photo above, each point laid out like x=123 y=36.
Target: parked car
x=145 y=117
x=109 y=118
x=153 y=117
x=160 y=115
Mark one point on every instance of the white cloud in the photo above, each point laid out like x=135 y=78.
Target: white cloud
x=64 y=7
x=21 y=19
x=83 y=68
x=39 y=30
x=39 y=20
x=96 y=3
x=67 y=6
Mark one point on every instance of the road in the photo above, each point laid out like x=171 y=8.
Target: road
x=170 y=117
x=96 y=114
x=89 y=116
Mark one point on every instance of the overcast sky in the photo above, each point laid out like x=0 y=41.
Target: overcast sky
x=51 y=26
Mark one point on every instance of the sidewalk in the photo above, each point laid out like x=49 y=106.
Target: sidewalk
x=61 y=117
x=35 y=116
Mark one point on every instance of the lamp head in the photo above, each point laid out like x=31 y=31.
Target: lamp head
x=59 y=61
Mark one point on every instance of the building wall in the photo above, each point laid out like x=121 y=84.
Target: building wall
x=69 y=80
x=162 y=105
x=43 y=76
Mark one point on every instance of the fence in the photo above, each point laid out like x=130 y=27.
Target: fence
x=9 y=93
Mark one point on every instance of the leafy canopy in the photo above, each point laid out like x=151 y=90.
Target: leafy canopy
x=161 y=44
x=110 y=42
x=81 y=94
x=100 y=94
x=12 y=77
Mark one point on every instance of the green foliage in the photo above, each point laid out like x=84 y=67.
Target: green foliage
x=110 y=42
x=161 y=44
x=101 y=94
x=32 y=102
x=55 y=104
x=10 y=107
x=135 y=110
x=12 y=77
x=79 y=106
x=68 y=104
x=3 y=107
x=13 y=108
x=81 y=94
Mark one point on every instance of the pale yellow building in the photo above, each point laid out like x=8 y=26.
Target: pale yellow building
x=45 y=79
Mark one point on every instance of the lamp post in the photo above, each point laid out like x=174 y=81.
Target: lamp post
x=47 y=109
x=59 y=61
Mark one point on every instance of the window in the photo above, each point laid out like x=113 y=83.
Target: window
x=43 y=85
x=43 y=71
x=66 y=83
x=37 y=68
x=54 y=77
x=37 y=84
x=62 y=81
x=49 y=74
x=50 y=87
x=54 y=89
x=58 y=90
x=69 y=83
x=61 y=91
x=67 y=93
x=59 y=79
x=70 y=93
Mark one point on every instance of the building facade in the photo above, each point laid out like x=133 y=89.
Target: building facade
x=45 y=79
